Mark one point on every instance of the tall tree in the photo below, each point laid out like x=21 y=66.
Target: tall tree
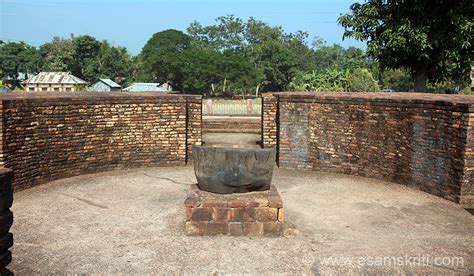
x=57 y=55
x=16 y=58
x=86 y=49
x=163 y=59
x=433 y=39
x=275 y=54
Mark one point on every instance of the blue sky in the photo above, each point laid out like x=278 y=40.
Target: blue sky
x=131 y=23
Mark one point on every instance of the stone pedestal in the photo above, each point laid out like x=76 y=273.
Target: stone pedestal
x=245 y=214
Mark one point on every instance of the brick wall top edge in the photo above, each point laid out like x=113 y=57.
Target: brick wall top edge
x=93 y=95
x=462 y=103
x=396 y=96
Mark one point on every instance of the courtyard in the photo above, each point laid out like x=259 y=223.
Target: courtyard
x=131 y=221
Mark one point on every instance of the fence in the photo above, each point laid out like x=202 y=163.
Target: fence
x=221 y=107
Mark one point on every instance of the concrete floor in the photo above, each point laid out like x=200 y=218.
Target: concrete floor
x=131 y=221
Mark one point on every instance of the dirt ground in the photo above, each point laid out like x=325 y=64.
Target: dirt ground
x=131 y=221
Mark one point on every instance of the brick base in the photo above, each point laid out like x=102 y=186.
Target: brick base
x=246 y=214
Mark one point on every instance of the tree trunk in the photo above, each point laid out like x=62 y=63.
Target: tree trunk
x=419 y=77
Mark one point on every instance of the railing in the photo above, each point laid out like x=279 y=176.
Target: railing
x=221 y=107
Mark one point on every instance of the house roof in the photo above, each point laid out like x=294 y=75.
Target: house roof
x=147 y=86
x=54 y=78
x=110 y=83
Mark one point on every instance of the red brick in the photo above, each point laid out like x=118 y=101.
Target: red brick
x=217 y=228
x=201 y=214
x=252 y=228
x=235 y=229
x=275 y=202
x=267 y=214
x=236 y=203
x=192 y=201
x=273 y=228
x=281 y=215
x=242 y=214
x=220 y=214
x=195 y=228
x=188 y=213
x=214 y=203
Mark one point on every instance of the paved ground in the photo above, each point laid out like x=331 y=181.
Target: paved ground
x=131 y=221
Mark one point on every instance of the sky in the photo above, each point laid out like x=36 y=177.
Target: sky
x=130 y=23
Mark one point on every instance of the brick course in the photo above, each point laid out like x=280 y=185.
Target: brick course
x=421 y=140
x=47 y=136
x=247 y=214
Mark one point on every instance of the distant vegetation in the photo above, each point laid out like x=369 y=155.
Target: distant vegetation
x=249 y=57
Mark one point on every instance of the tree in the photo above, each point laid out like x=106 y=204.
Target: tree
x=361 y=80
x=162 y=58
x=114 y=63
x=57 y=55
x=16 y=58
x=227 y=35
x=86 y=49
x=433 y=39
x=275 y=55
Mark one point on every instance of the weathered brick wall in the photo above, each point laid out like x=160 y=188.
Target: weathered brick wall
x=48 y=136
x=227 y=124
x=194 y=124
x=269 y=120
x=421 y=140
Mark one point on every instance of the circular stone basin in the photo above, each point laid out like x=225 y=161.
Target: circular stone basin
x=233 y=170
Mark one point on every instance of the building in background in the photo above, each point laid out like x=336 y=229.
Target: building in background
x=104 y=85
x=148 y=87
x=54 y=82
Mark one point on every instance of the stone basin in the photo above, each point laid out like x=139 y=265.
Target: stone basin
x=233 y=170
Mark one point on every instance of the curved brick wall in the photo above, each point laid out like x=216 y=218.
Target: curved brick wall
x=48 y=136
x=421 y=140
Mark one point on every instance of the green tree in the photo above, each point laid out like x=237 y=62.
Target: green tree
x=114 y=63
x=397 y=80
x=163 y=58
x=16 y=58
x=340 y=58
x=57 y=55
x=361 y=80
x=433 y=39
x=227 y=34
x=86 y=50
x=275 y=55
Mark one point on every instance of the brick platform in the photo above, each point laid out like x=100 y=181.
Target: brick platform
x=246 y=214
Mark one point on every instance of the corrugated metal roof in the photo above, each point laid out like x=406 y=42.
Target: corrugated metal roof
x=110 y=83
x=54 y=78
x=148 y=86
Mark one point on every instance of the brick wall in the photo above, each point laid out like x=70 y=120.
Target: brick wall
x=228 y=124
x=48 y=136
x=421 y=140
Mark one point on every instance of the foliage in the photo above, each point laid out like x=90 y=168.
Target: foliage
x=87 y=58
x=16 y=58
x=398 y=80
x=163 y=58
x=361 y=80
x=57 y=55
x=335 y=56
x=358 y=80
x=275 y=55
x=433 y=39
